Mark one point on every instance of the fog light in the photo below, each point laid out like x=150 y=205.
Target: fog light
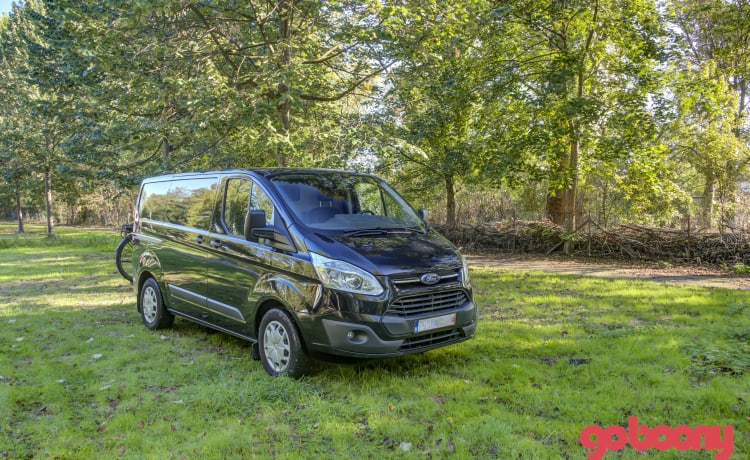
x=356 y=336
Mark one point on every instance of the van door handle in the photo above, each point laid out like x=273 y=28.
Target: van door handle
x=199 y=239
x=215 y=244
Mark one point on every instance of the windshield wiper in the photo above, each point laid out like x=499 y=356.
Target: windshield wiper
x=381 y=231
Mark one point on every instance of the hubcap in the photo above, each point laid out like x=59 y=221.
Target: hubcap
x=276 y=346
x=149 y=304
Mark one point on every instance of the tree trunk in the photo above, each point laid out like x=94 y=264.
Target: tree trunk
x=450 y=198
x=166 y=154
x=284 y=111
x=48 y=200
x=740 y=85
x=727 y=191
x=602 y=217
x=556 y=206
x=571 y=195
x=557 y=192
x=284 y=106
x=19 y=209
x=707 y=204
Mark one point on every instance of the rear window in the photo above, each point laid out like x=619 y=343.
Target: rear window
x=186 y=202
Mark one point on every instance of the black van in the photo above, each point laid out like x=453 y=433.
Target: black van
x=298 y=262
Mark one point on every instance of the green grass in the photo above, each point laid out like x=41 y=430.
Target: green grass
x=81 y=377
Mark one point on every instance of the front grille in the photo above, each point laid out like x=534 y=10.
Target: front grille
x=432 y=302
x=450 y=277
x=431 y=340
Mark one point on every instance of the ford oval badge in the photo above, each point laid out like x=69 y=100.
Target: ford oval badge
x=429 y=278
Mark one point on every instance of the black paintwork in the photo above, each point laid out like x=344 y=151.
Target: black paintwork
x=227 y=282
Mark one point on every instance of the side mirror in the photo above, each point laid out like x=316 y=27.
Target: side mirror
x=423 y=214
x=271 y=237
x=255 y=218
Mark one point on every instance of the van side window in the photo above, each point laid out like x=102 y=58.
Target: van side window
x=182 y=202
x=259 y=200
x=235 y=205
x=154 y=201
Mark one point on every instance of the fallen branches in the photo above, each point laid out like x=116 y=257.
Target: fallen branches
x=631 y=242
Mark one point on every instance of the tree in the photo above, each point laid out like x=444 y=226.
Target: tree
x=718 y=31
x=37 y=70
x=714 y=40
x=11 y=161
x=44 y=109
x=580 y=59
x=703 y=136
x=275 y=59
x=433 y=97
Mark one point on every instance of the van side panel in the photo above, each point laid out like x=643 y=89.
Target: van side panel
x=242 y=275
x=233 y=268
x=183 y=262
x=177 y=213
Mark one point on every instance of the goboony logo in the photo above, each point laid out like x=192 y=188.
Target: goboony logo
x=660 y=437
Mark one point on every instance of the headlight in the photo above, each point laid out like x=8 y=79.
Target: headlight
x=465 y=273
x=337 y=274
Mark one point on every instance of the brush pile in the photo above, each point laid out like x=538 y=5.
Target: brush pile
x=624 y=242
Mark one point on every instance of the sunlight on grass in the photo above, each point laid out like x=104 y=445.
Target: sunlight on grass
x=81 y=377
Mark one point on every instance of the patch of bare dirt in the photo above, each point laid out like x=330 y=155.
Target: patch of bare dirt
x=691 y=275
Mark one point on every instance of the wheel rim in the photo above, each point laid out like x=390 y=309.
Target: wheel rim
x=276 y=347
x=149 y=304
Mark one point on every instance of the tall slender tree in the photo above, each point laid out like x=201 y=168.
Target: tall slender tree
x=580 y=59
x=44 y=107
x=714 y=41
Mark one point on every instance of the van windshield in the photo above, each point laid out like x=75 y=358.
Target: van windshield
x=344 y=202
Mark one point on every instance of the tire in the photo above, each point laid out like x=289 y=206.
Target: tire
x=124 y=257
x=151 y=304
x=280 y=345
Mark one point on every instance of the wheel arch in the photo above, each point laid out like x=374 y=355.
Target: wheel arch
x=142 y=277
x=149 y=266
x=270 y=304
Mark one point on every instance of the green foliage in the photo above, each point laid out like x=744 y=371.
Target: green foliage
x=740 y=269
x=571 y=236
x=722 y=350
x=711 y=88
x=664 y=264
x=629 y=108
x=588 y=105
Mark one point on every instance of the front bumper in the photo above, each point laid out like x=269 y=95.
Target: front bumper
x=383 y=336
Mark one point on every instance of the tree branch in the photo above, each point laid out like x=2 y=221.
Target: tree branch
x=346 y=92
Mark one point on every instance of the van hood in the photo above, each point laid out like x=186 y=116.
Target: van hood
x=402 y=254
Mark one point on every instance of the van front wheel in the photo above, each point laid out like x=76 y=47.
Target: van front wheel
x=280 y=345
x=153 y=312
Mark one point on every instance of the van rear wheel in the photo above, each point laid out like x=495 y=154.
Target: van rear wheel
x=280 y=345
x=124 y=257
x=151 y=303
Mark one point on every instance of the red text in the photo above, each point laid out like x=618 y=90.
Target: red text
x=660 y=437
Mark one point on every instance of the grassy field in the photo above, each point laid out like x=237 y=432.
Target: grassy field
x=81 y=377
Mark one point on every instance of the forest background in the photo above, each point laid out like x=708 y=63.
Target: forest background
x=611 y=111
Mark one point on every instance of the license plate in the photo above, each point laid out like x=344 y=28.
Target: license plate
x=428 y=324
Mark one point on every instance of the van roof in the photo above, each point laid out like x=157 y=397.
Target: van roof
x=265 y=172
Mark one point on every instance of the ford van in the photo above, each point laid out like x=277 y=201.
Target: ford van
x=300 y=263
